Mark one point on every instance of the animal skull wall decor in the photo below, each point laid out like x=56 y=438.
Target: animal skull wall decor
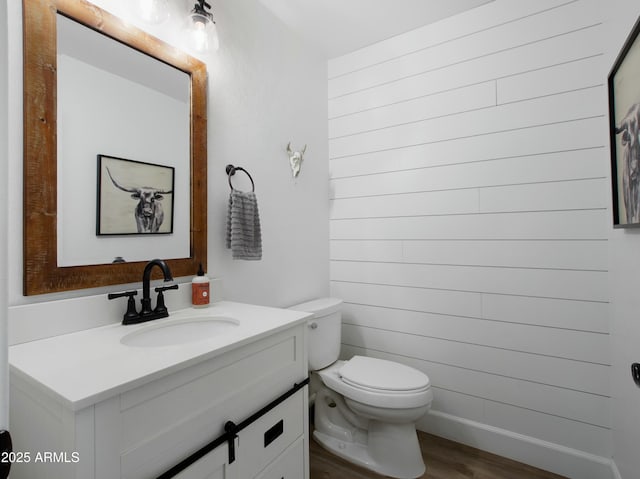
x=295 y=159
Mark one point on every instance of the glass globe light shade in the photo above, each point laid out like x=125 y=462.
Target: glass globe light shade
x=202 y=33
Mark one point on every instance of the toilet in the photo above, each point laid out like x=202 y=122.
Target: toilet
x=365 y=408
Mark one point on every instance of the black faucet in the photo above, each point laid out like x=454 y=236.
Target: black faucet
x=146 y=313
x=146 y=280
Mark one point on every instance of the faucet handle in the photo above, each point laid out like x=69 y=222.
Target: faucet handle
x=161 y=308
x=129 y=294
x=131 y=316
x=160 y=289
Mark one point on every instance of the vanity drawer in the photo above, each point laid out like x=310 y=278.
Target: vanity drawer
x=268 y=437
x=290 y=465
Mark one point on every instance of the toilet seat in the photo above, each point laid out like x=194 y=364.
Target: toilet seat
x=381 y=375
x=367 y=381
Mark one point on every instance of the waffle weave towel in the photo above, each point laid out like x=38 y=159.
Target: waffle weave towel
x=243 y=226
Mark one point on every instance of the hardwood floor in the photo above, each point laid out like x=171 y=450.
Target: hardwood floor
x=444 y=459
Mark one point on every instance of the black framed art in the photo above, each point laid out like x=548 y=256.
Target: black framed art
x=134 y=197
x=624 y=132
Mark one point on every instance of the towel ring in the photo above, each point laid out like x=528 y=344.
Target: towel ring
x=231 y=170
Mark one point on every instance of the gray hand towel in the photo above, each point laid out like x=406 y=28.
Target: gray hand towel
x=243 y=226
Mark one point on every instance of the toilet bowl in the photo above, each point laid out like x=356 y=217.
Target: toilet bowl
x=365 y=408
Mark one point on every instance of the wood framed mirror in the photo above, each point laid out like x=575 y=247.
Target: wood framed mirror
x=42 y=271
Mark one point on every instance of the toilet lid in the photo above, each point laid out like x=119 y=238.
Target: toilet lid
x=373 y=373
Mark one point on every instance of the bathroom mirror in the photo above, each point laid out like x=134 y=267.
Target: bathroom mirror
x=43 y=270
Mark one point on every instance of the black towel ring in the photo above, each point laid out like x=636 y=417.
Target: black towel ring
x=231 y=170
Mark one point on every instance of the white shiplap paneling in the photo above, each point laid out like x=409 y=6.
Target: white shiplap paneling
x=469 y=216
x=528 y=30
x=571 y=106
x=573 y=75
x=554 y=51
x=472 y=97
x=540 y=168
x=576 y=375
x=580 y=136
x=589 y=316
x=431 y=35
x=544 y=225
x=479 y=386
x=562 y=284
x=588 y=255
x=561 y=343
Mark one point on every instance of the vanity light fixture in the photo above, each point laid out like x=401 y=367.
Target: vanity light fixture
x=153 y=11
x=202 y=32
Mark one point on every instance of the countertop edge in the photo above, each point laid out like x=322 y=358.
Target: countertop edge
x=78 y=403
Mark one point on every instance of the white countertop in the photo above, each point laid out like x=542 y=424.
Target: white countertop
x=82 y=368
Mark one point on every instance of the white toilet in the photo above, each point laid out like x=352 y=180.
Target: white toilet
x=365 y=408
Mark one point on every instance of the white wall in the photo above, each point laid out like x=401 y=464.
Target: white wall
x=469 y=224
x=265 y=89
x=269 y=89
x=625 y=303
x=4 y=389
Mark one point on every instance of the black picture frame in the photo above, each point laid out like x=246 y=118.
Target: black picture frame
x=134 y=197
x=624 y=132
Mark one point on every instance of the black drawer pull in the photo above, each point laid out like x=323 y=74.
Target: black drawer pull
x=273 y=433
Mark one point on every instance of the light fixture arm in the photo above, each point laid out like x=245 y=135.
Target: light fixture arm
x=201 y=7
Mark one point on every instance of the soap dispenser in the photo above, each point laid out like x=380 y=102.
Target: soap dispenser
x=200 y=289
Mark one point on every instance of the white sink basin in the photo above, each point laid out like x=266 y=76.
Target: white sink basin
x=180 y=331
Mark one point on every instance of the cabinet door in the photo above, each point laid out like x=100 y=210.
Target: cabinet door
x=268 y=437
x=212 y=466
x=289 y=465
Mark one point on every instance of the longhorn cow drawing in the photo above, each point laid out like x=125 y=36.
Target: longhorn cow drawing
x=148 y=212
x=629 y=131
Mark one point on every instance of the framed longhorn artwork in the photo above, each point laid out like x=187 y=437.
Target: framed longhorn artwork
x=624 y=132
x=134 y=197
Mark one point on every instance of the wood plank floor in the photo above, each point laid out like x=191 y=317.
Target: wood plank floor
x=444 y=459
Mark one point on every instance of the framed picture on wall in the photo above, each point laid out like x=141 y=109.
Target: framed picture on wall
x=134 y=197
x=624 y=132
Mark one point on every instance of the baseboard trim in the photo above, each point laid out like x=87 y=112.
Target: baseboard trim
x=555 y=458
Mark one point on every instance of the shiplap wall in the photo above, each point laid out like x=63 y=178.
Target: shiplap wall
x=468 y=223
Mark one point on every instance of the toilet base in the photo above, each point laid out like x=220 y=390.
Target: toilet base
x=349 y=451
x=358 y=453
x=389 y=449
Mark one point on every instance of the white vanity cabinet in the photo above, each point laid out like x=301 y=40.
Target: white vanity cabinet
x=145 y=430
x=284 y=455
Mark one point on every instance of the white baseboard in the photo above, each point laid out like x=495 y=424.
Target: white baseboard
x=545 y=455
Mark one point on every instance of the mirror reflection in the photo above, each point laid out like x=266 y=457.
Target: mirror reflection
x=115 y=101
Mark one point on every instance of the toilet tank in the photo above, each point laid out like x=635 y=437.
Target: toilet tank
x=324 y=331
